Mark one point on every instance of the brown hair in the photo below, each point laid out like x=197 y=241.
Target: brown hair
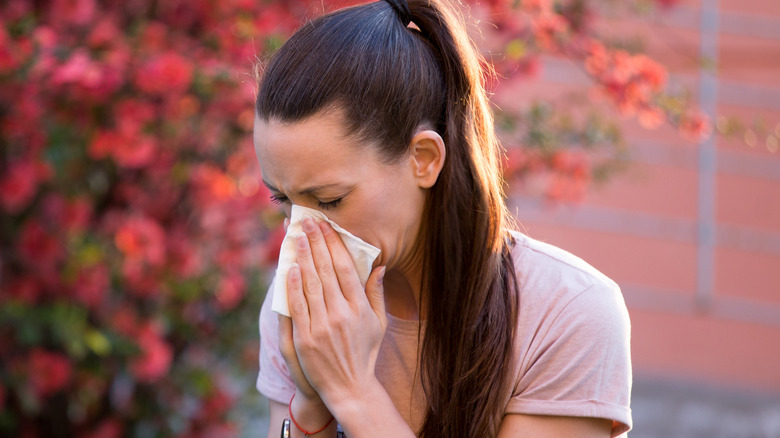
x=390 y=80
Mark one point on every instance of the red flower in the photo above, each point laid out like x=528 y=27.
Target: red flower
x=125 y=321
x=78 y=12
x=71 y=216
x=20 y=183
x=110 y=428
x=141 y=238
x=230 y=291
x=37 y=246
x=25 y=289
x=127 y=149
x=91 y=285
x=185 y=258
x=49 y=372
x=696 y=127
x=168 y=73
x=132 y=115
x=104 y=34
x=155 y=358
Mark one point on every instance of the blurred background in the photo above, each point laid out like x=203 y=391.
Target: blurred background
x=136 y=241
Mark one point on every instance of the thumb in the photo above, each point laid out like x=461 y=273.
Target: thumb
x=375 y=292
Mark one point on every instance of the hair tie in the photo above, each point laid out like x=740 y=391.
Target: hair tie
x=401 y=8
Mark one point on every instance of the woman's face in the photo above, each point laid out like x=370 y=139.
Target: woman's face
x=312 y=163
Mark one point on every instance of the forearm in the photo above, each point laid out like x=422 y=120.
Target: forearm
x=370 y=414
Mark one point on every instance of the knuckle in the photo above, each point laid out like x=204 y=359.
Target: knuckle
x=313 y=287
x=319 y=333
x=325 y=269
x=343 y=269
x=337 y=319
x=298 y=308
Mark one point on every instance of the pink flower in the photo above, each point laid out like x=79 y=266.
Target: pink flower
x=79 y=69
x=168 y=73
x=155 y=358
x=651 y=117
x=230 y=291
x=48 y=371
x=650 y=72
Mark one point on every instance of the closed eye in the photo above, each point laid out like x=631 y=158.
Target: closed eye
x=329 y=205
x=279 y=199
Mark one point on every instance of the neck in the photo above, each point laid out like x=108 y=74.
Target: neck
x=402 y=294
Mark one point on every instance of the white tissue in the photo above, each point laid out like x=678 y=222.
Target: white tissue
x=363 y=254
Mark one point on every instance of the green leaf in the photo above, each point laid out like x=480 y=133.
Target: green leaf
x=97 y=342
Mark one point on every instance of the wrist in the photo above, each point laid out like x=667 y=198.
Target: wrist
x=308 y=415
x=348 y=404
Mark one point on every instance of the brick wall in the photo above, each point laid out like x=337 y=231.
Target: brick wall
x=690 y=232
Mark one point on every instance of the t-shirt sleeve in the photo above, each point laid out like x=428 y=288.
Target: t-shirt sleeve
x=581 y=365
x=273 y=380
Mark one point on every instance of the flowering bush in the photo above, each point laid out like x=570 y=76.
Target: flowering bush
x=135 y=235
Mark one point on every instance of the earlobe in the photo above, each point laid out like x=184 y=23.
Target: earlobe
x=428 y=155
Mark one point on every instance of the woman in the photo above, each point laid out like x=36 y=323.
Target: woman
x=377 y=116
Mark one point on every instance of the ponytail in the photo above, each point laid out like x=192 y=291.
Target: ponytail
x=471 y=299
x=429 y=74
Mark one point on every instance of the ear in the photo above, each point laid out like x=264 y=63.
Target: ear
x=428 y=154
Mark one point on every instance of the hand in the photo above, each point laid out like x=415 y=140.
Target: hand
x=337 y=325
x=303 y=388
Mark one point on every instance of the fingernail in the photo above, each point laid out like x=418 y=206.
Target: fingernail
x=308 y=224
x=302 y=242
x=294 y=271
x=324 y=227
x=381 y=278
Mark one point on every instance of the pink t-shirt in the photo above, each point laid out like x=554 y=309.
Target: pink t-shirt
x=572 y=345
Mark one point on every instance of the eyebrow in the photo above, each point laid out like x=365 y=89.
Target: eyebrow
x=304 y=191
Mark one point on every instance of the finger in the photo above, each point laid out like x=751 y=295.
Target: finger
x=286 y=344
x=342 y=264
x=323 y=263
x=375 y=292
x=296 y=301
x=311 y=286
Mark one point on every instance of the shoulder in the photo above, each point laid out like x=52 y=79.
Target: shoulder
x=552 y=281
x=540 y=263
x=573 y=338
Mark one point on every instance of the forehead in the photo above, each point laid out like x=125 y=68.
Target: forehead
x=314 y=150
